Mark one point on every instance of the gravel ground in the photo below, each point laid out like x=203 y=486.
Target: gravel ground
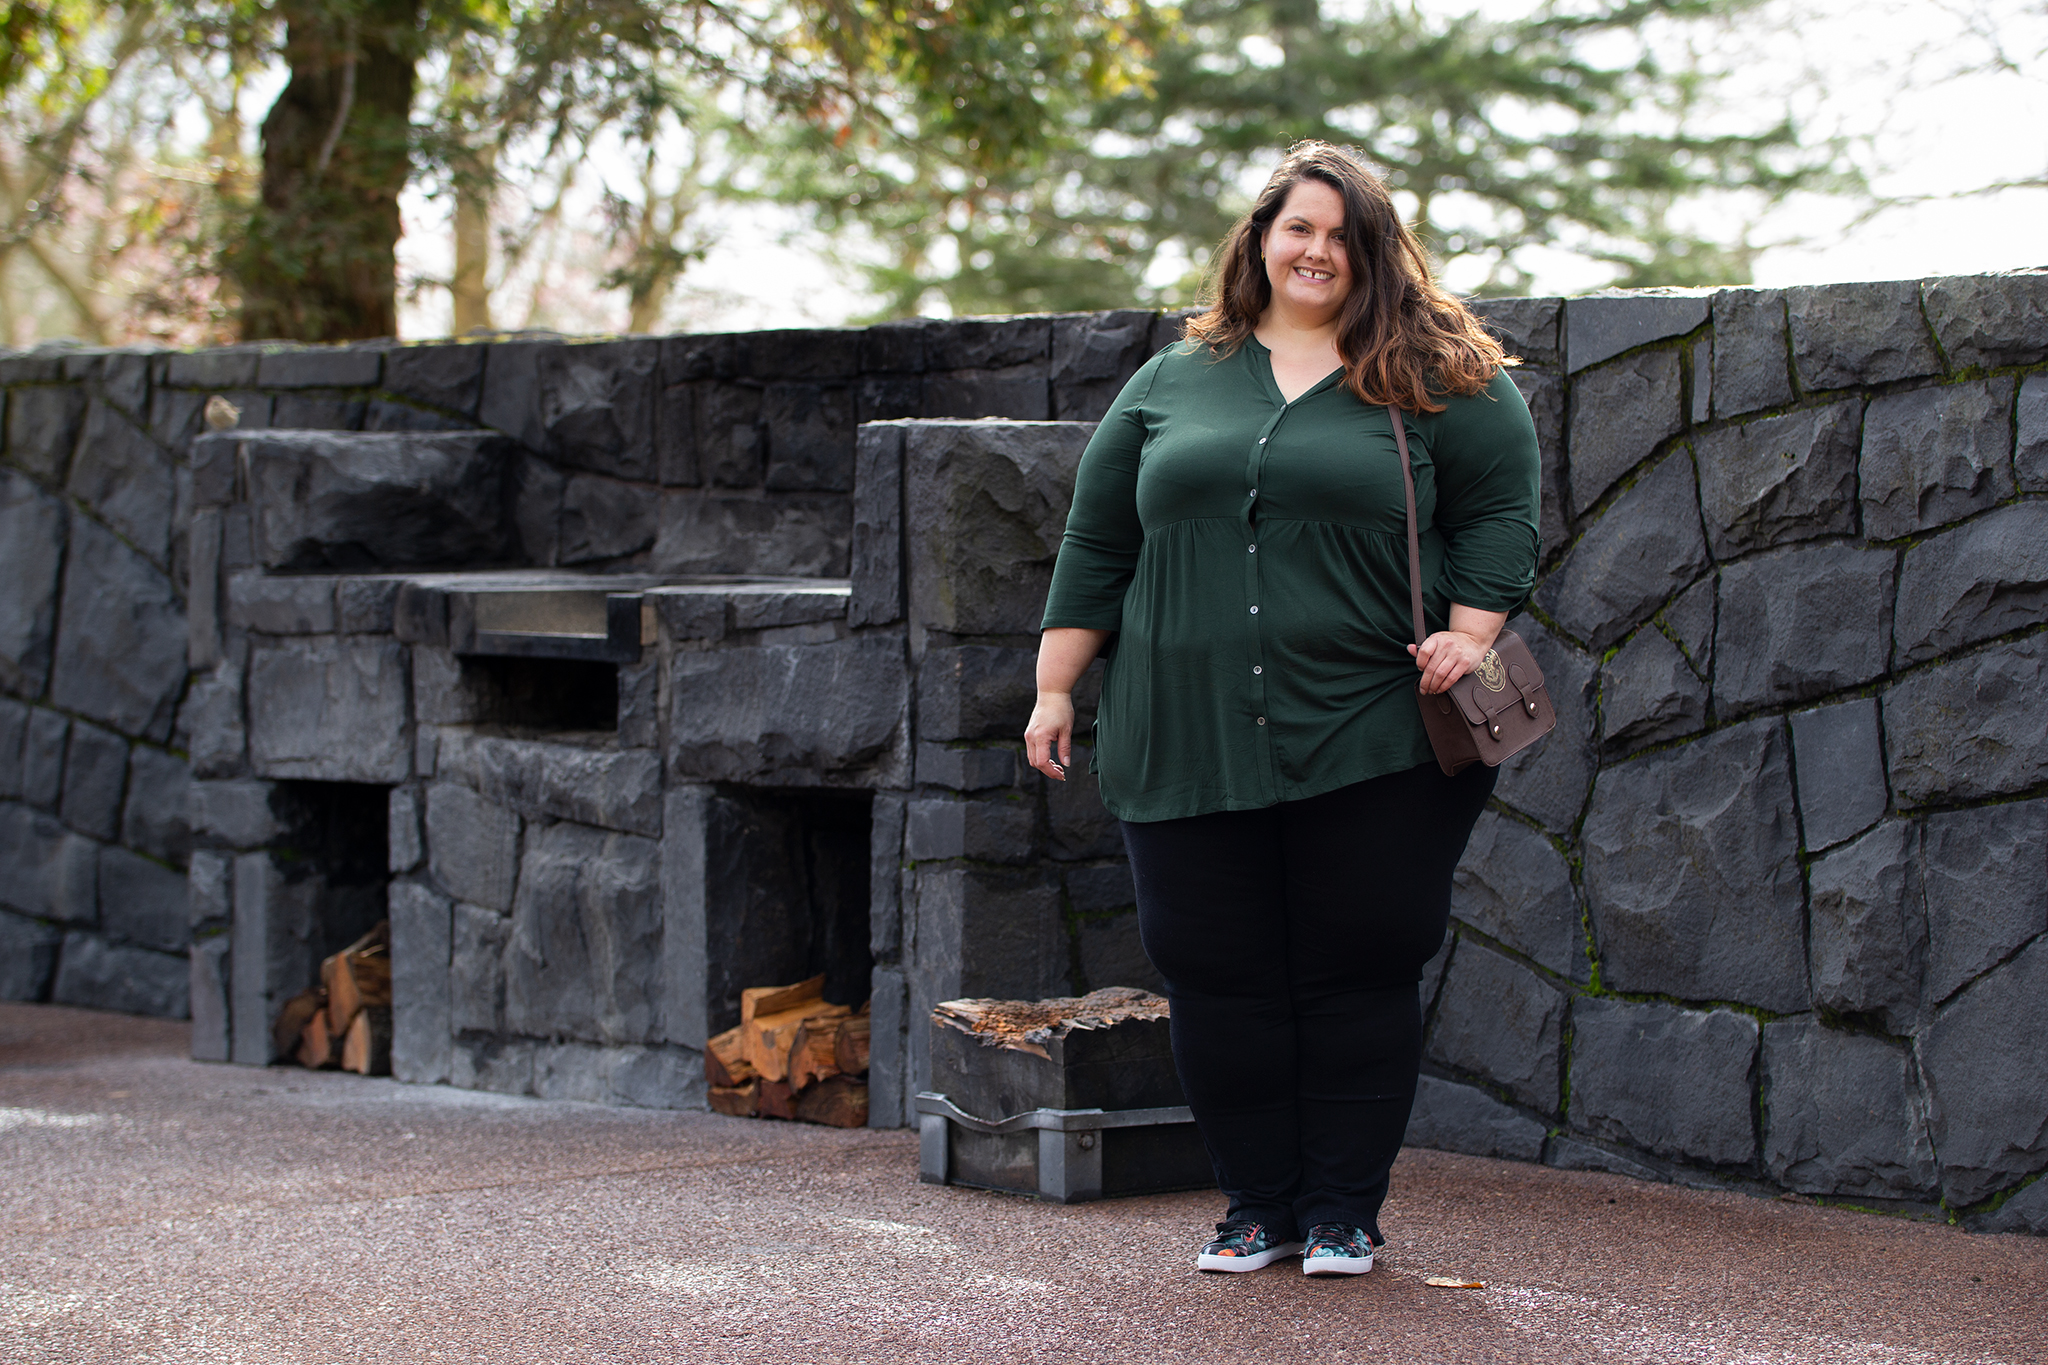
x=157 y=1209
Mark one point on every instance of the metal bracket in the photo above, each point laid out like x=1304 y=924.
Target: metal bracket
x=1069 y=1141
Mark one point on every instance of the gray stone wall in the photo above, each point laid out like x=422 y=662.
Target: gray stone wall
x=1766 y=908
x=1767 y=911
x=94 y=842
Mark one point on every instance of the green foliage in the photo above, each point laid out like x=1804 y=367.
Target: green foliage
x=992 y=81
x=1557 y=129
x=85 y=88
x=549 y=80
x=31 y=35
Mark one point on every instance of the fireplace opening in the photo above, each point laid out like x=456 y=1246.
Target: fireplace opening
x=787 y=884
x=553 y=695
x=336 y=854
x=325 y=907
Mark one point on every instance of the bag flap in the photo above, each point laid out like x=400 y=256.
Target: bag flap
x=1503 y=676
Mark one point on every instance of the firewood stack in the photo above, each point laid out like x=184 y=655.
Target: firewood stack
x=345 y=1021
x=792 y=1057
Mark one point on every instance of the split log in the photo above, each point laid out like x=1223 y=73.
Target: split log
x=318 y=1049
x=837 y=1102
x=725 y=1061
x=850 y=1045
x=291 y=1020
x=766 y=1039
x=355 y=981
x=814 y=1054
x=366 y=1049
x=775 y=1101
x=357 y=976
x=740 y=1101
x=759 y=1000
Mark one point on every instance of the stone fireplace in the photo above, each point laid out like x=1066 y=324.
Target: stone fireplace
x=612 y=790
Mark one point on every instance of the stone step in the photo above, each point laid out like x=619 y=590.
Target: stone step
x=360 y=499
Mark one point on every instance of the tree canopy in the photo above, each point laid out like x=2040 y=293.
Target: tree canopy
x=1007 y=156
x=1560 y=129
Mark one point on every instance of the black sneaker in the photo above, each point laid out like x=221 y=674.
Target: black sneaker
x=1241 y=1244
x=1337 y=1249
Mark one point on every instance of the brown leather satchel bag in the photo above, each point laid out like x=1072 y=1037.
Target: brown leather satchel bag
x=1496 y=710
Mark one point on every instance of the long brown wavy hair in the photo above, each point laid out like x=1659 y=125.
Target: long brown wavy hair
x=1403 y=339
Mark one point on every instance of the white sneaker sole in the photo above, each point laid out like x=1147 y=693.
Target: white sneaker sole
x=1276 y=1252
x=1336 y=1265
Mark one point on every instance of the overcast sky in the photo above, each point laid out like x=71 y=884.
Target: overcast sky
x=1915 y=86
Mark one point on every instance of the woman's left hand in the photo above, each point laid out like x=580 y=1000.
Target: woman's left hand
x=1446 y=657
x=1450 y=654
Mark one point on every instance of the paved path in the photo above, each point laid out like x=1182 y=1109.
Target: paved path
x=155 y=1209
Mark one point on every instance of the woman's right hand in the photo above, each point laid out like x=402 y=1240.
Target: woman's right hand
x=1049 y=738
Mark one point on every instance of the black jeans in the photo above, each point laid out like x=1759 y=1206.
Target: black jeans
x=1291 y=940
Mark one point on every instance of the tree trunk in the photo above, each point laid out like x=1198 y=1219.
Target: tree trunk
x=319 y=262
x=470 y=285
x=646 y=304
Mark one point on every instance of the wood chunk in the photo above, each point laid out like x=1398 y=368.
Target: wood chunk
x=836 y=1102
x=291 y=1020
x=1028 y=1025
x=740 y=1101
x=318 y=1048
x=725 y=1061
x=366 y=1048
x=850 y=1045
x=355 y=980
x=766 y=1039
x=358 y=975
x=814 y=1054
x=775 y=1101
x=759 y=1000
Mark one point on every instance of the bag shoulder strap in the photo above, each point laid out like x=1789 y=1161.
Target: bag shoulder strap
x=1414 y=538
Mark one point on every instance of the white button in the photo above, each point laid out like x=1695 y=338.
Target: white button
x=1262 y=720
x=1255 y=611
x=1255 y=492
x=1262 y=440
x=1257 y=669
x=1251 y=549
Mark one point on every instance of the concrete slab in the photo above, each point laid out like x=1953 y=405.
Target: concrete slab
x=160 y=1210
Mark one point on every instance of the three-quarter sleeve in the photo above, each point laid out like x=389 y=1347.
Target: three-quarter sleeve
x=1099 y=552
x=1488 y=484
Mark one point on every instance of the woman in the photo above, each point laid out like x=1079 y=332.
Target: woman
x=1239 y=527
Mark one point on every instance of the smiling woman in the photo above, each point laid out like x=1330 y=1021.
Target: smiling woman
x=1240 y=525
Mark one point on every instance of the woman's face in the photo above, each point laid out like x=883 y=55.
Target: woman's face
x=1306 y=262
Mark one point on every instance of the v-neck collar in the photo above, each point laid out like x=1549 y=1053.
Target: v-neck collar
x=1265 y=369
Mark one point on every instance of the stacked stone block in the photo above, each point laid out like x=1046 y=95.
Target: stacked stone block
x=990 y=880
x=94 y=844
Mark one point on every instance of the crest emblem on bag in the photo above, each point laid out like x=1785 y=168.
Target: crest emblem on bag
x=1492 y=676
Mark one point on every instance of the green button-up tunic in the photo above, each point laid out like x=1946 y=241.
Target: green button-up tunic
x=1251 y=555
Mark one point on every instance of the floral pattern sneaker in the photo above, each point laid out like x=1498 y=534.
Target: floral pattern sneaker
x=1241 y=1244
x=1337 y=1249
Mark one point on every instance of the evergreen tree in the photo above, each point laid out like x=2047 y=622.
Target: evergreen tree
x=1558 y=129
